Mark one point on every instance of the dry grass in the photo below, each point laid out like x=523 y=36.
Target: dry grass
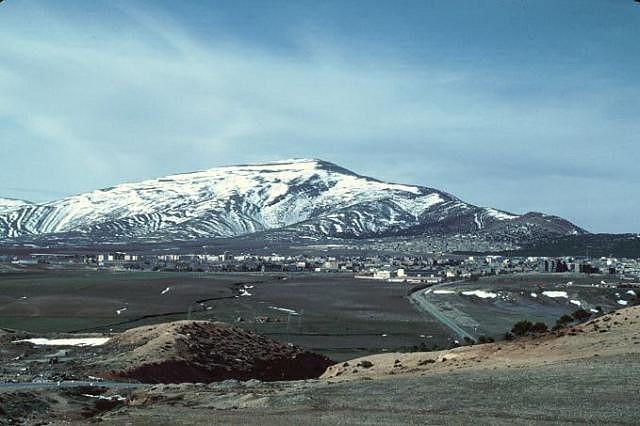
x=613 y=334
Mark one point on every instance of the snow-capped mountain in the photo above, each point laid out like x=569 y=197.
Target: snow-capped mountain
x=10 y=204
x=306 y=196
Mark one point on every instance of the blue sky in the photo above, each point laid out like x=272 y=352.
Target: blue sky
x=520 y=105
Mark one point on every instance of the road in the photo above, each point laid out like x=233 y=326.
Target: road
x=419 y=299
x=65 y=384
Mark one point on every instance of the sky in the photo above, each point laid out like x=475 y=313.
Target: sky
x=515 y=104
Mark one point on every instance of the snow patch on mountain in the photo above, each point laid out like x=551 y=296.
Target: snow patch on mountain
x=10 y=204
x=500 y=215
x=313 y=197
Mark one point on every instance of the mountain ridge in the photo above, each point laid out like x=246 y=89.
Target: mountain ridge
x=309 y=196
x=8 y=204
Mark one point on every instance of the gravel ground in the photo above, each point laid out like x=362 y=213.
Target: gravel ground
x=596 y=391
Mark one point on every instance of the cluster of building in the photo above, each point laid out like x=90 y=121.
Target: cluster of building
x=407 y=268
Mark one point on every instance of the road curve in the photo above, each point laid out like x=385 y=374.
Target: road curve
x=419 y=299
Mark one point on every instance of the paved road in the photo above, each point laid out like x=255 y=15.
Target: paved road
x=419 y=299
x=65 y=384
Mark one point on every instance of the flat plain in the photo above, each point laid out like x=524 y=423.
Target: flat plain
x=334 y=314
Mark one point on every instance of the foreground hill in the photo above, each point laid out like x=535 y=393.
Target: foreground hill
x=616 y=334
x=311 y=198
x=201 y=351
x=586 y=374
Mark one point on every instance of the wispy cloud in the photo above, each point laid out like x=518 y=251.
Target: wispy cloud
x=88 y=105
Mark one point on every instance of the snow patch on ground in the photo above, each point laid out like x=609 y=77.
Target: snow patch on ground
x=622 y=302
x=289 y=311
x=81 y=341
x=443 y=292
x=106 y=398
x=576 y=302
x=554 y=294
x=481 y=294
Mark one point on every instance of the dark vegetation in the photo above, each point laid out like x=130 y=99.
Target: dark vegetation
x=524 y=328
x=527 y=328
x=595 y=245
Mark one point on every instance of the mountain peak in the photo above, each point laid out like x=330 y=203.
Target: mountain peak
x=310 y=196
x=301 y=163
x=293 y=165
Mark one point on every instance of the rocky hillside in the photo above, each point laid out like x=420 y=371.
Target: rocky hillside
x=309 y=197
x=201 y=351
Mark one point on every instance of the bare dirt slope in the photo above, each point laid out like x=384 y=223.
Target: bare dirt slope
x=614 y=334
x=202 y=351
x=586 y=375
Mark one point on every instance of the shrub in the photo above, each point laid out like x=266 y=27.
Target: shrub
x=485 y=339
x=581 y=315
x=564 y=320
x=539 y=327
x=521 y=328
x=365 y=364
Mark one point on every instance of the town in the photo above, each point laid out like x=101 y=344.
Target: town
x=412 y=269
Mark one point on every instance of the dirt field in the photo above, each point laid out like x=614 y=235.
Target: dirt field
x=333 y=314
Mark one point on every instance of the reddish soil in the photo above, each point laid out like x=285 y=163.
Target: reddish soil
x=200 y=351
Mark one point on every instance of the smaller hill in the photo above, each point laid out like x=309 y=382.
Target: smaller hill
x=202 y=351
